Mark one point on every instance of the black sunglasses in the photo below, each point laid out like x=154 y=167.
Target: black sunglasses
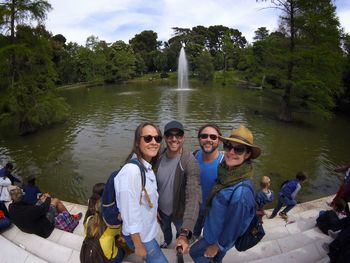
x=148 y=138
x=239 y=149
x=205 y=136
x=178 y=134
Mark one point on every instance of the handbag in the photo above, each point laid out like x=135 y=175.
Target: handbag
x=252 y=235
x=66 y=222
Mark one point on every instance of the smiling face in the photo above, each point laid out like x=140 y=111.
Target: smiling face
x=235 y=154
x=208 y=140
x=149 y=149
x=174 y=140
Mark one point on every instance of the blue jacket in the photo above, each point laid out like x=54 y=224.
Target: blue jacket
x=31 y=194
x=262 y=198
x=289 y=187
x=230 y=215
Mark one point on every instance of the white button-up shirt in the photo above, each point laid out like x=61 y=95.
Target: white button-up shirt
x=137 y=218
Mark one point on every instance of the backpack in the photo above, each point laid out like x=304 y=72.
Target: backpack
x=327 y=220
x=110 y=209
x=91 y=251
x=254 y=233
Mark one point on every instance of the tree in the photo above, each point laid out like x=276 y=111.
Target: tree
x=34 y=102
x=14 y=12
x=261 y=33
x=205 y=67
x=309 y=30
x=121 y=62
x=146 y=44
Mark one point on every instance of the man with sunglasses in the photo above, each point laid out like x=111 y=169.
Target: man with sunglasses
x=209 y=158
x=177 y=173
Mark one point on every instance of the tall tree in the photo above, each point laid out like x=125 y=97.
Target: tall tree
x=310 y=32
x=146 y=44
x=14 y=12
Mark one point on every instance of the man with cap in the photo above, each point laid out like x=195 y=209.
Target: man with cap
x=230 y=204
x=177 y=173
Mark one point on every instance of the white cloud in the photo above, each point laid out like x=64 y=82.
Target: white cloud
x=113 y=20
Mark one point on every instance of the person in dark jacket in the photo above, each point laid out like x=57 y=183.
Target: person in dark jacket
x=288 y=193
x=31 y=190
x=31 y=219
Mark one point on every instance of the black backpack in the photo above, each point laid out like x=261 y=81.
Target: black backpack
x=327 y=220
x=254 y=233
x=91 y=251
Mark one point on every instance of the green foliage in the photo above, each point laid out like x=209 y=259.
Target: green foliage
x=121 y=62
x=205 y=67
x=146 y=44
x=304 y=57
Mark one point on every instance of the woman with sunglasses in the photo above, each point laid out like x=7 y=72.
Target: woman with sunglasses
x=139 y=210
x=230 y=203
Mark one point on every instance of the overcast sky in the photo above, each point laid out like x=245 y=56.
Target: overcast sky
x=113 y=20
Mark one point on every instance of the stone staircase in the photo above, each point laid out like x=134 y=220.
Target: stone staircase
x=297 y=240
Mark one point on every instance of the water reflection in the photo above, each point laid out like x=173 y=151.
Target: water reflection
x=70 y=158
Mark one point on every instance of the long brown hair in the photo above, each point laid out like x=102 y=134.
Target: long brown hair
x=95 y=224
x=136 y=145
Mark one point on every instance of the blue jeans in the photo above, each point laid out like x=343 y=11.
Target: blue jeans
x=198 y=249
x=4 y=223
x=165 y=225
x=154 y=253
x=283 y=200
x=199 y=223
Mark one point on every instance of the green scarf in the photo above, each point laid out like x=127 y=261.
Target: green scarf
x=228 y=177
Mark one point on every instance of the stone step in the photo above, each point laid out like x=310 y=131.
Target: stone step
x=306 y=254
x=42 y=248
x=11 y=253
x=298 y=241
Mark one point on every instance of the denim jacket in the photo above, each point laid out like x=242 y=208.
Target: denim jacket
x=230 y=215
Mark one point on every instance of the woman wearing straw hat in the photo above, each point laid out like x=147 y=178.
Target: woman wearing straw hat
x=230 y=204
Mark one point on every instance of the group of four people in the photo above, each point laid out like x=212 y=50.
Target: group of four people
x=183 y=188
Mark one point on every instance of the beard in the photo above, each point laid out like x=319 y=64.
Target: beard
x=212 y=149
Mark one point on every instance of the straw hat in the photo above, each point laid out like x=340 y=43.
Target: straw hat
x=244 y=136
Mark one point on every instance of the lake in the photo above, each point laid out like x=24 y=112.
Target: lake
x=70 y=158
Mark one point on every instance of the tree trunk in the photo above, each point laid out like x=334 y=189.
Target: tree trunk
x=13 y=53
x=285 y=111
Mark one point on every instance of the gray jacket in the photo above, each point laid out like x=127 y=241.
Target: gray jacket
x=187 y=193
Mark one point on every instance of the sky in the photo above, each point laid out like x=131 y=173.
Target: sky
x=113 y=20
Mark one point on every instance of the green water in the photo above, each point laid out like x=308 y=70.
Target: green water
x=70 y=158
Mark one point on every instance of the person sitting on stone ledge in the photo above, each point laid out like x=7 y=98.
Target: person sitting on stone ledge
x=32 y=195
x=7 y=172
x=42 y=217
x=344 y=189
x=32 y=192
x=30 y=218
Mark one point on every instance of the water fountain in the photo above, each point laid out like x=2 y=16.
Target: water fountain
x=182 y=70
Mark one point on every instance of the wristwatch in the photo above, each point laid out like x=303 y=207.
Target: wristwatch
x=186 y=233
